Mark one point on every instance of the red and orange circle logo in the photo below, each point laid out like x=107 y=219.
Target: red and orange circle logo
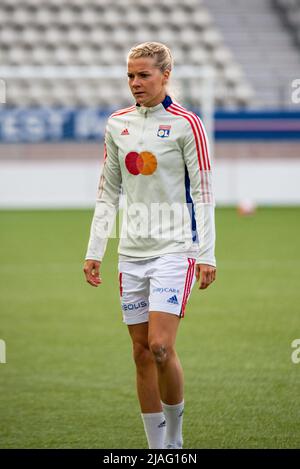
x=141 y=163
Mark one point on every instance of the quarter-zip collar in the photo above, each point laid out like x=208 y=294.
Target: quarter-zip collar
x=159 y=107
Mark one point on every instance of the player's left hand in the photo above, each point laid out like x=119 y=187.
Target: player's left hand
x=205 y=275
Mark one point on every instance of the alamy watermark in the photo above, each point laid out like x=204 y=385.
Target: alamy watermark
x=295 y=357
x=295 y=96
x=156 y=220
x=2 y=351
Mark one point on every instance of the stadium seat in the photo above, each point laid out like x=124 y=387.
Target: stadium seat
x=201 y=19
x=18 y=93
x=89 y=17
x=8 y=36
x=95 y=36
x=243 y=93
x=65 y=56
x=85 y=56
x=188 y=36
x=222 y=56
x=198 y=56
x=31 y=36
x=40 y=55
x=77 y=36
x=67 y=16
x=211 y=38
x=233 y=74
x=17 y=55
x=94 y=32
x=44 y=17
x=119 y=36
x=54 y=36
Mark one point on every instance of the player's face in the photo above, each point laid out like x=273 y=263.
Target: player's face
x=147 y=83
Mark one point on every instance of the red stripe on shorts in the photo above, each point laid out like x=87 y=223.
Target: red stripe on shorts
x=188 y=283
x=120 y=283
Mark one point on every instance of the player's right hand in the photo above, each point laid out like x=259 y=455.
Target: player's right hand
x=91 y=270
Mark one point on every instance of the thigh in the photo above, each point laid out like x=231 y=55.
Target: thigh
x=162 y=328
x=134 y=292
x=171 y=283
x=139 y=334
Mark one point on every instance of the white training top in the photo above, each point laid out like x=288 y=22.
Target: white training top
x=158 y=157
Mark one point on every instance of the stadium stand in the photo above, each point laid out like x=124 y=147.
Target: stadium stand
x=261 y=44
x=94 y=32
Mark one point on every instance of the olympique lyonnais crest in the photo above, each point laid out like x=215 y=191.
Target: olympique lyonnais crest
x=163 y=131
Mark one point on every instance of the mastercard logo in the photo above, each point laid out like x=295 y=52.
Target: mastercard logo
x=141 y=163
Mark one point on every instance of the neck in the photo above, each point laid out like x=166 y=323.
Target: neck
x=157 y=100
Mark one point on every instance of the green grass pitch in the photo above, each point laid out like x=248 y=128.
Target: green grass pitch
x=69 y=380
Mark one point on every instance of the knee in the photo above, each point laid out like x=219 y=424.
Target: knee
x=161 y=352
x=141 y=355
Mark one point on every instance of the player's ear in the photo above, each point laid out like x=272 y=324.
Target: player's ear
x=166 y=76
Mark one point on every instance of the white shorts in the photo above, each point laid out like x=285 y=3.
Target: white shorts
x=159 y=284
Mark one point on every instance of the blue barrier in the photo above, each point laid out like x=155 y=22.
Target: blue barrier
x=52 y=124
x=257 y=125
x=88 y=124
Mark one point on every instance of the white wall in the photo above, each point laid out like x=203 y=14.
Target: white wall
x=264 y=181
x=71 y=184
x=48 y=184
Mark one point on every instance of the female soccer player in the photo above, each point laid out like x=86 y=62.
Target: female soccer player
x=158 y=152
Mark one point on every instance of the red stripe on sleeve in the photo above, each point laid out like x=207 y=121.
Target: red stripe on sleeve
x=201 y=133
x=179 y=113
x=198 y=142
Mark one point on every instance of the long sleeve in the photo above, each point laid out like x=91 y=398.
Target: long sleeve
x=107 y=202
x=197 y=161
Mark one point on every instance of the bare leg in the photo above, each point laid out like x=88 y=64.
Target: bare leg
x=147 y=387
x=162 y=336
x=146 y=370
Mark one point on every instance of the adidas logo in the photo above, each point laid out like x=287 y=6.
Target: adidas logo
x=125 y=132
x=173 y=300
x=162 y=424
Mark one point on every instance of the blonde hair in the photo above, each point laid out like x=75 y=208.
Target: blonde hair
x=160 y=53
